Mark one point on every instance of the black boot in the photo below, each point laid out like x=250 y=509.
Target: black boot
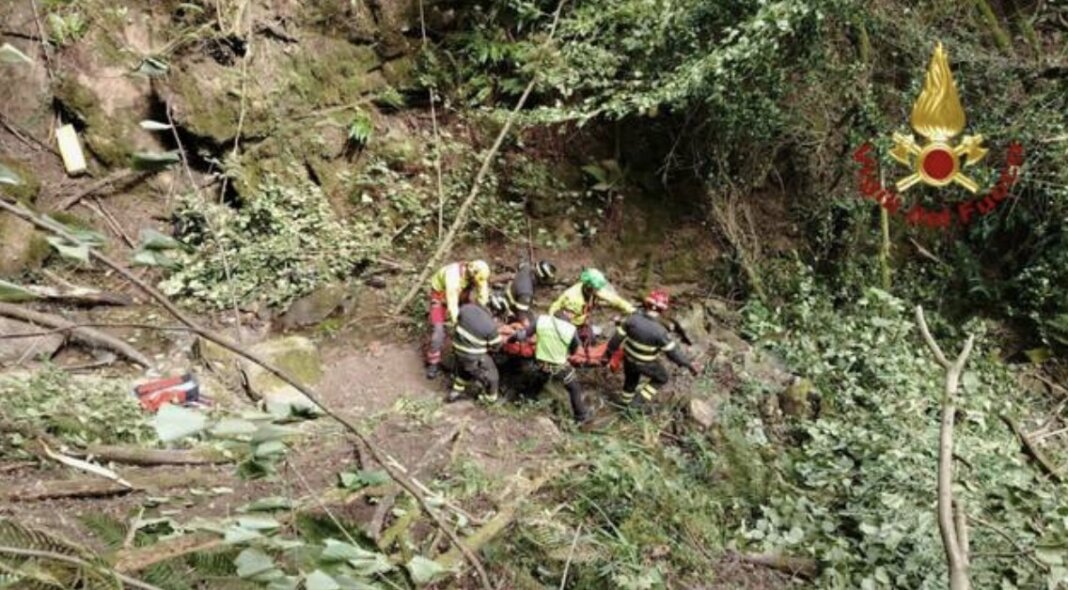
x=432 y=371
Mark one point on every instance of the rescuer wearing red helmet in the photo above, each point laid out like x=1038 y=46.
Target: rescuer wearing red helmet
x=644 y=338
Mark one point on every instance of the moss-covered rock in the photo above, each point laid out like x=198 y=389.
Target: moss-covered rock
x=400 y=72
x=21 y=248
x=28 y=186
x=330 y=72
x=106 y=135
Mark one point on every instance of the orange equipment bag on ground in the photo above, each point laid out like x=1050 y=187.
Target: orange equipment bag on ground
x=172 y=390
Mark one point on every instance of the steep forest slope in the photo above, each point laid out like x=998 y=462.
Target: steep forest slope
x=284 y=170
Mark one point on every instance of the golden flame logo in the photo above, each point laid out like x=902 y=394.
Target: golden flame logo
x=938 y=116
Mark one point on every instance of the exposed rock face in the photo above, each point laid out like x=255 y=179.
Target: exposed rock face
x=296 y=355
x=317 y=306
x=703 y=411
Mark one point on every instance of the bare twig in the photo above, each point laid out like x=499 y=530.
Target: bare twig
x=954 y=533
x=127 y=580
x=570 y=556
x=119 y=176
x=1032 y=450
x=461 y=214
x=380 y=456
x=134 y=526
x=374 y=529
x=44 y=41
x=1012 y=541
x=72 y=327
x=26 y=137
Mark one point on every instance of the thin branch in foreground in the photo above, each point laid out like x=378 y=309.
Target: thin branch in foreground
x=383 y=458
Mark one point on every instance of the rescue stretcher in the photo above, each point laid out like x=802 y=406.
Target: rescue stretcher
x=590 y=355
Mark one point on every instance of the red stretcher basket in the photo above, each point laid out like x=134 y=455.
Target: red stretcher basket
x=585 y=356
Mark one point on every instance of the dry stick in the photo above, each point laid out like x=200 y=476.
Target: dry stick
x=1032 y=450
x=1023 y=551
x=570 y=556
x=437 y=136
x=377 y=454
x=794 y=566
x=954 y=539
x=461 y=215
x=99 y=185
x=211 y=225
x=127 y=580
x=68 y=329
x=84 y=335
x=375 y=528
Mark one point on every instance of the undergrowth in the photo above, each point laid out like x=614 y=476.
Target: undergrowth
x=76 y=410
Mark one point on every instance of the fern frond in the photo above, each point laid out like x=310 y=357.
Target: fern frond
x=44 y=560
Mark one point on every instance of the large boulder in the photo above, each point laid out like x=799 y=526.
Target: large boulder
x=317 y=306
x=295 y=355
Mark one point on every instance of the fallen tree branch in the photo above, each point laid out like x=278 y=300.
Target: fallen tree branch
x=374 y=529
x=93 y=325
x=507 y=514
x=65 y=488
x=85 y=466
x=127 y=177
x=86 y=336
x=953 y=526
x=376 y=453
x=151 y=457
x=461 y=214
x=75 y=296
x=1032 y=450
x=802 y=567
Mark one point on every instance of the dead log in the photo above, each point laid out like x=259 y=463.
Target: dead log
x=801 y=567
x=72 y=295
x=86 y=336
x=152 y=457
x=139 y=558
x=1032 y=450
x=94 y=487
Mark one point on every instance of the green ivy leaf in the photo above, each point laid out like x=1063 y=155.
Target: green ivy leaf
x=424 y=570
x=175 y=422
x=319 y=580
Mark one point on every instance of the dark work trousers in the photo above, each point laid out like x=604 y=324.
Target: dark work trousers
x=633 y=371
x=565 y=374
x=480 y=369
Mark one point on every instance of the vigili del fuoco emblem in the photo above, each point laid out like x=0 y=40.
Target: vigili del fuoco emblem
x=938 y=117
x=938 y=160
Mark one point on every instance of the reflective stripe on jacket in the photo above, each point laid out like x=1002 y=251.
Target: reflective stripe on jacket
x=476 y=331
x=644 y=338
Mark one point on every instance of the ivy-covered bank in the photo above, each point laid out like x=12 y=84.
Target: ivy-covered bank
x=839 y=469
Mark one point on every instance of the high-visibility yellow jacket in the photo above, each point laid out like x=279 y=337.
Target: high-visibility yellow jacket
x=574 y=300
x=452 y=280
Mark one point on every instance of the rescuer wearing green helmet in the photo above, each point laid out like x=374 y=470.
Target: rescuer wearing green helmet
x=582 y=297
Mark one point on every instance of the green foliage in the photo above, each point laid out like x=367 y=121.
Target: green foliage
x=21 y=571
x=858 y=483
x=77 y=410
x=67 y=27
x=278 y=246
x=361 y=128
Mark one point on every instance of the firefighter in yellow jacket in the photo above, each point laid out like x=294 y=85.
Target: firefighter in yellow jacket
x=452 y=285
x=581 y=298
